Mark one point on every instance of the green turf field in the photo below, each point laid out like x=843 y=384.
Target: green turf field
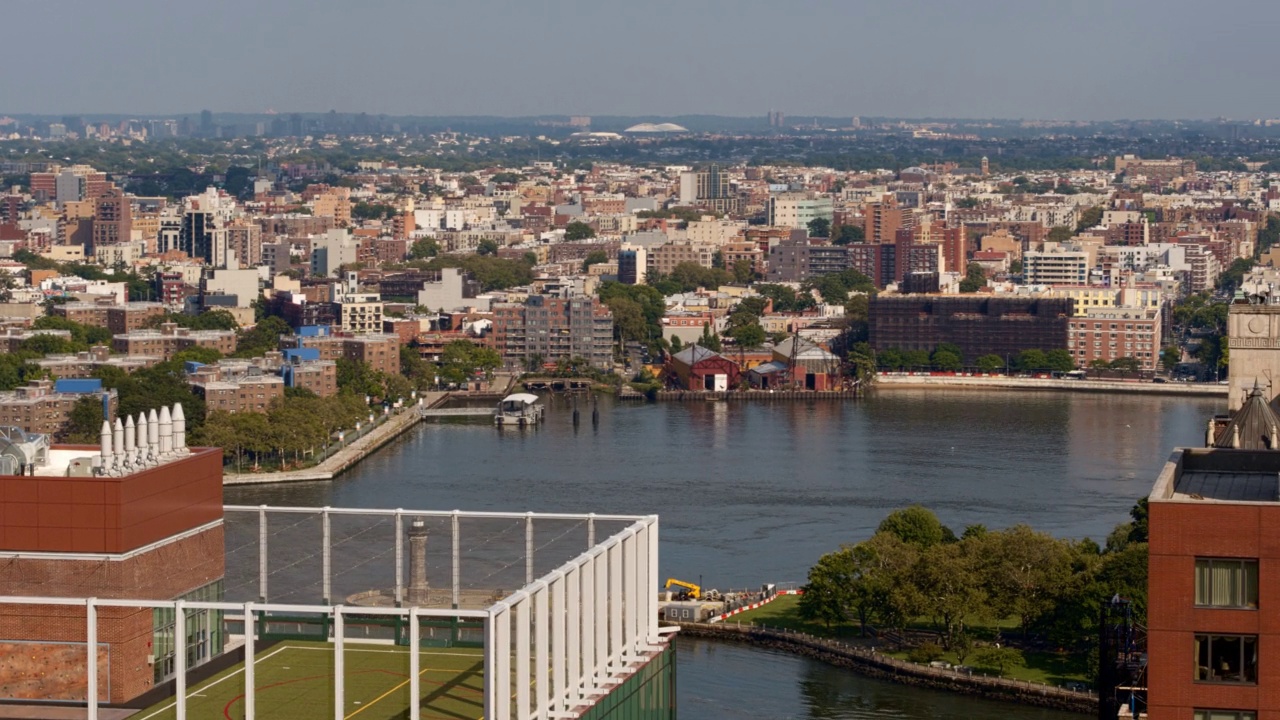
x=295 y=682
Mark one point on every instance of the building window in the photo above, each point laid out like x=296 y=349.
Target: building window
x=1224 y=715
x=1227 y=658
x=1226 y=583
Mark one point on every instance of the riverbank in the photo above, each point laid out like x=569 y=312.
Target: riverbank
x=876 y=665
x=390 y=428
x=894 y=381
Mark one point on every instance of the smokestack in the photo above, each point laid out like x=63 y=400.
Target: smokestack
x=105 y=440
x=166 y=432
x=117 y=444
x=153 y=435
x=418 y=588
x=144 y=454
x=179 y=429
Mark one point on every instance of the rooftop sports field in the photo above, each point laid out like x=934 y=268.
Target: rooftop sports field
x=294 y=681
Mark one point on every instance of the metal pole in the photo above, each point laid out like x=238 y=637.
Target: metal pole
x=180 y=657
x=528 y=549
x=591 y=531
x=415 y=662
x=262 y=553
x=457 y=564
x=250 y=694
x=91 y=655
x=327 y=554
x=399 y=557
x=339 y=663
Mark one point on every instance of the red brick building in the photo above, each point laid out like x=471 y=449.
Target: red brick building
x=1112 y=333
x=152 y=533
x=1213 y=644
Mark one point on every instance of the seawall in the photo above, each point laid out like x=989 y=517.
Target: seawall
x=881 y=667
x=891 y=382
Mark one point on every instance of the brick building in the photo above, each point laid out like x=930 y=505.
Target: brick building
x=380 y=350
x=245 y=394
x=978 y=325
x=171 y=339
x=151 y=530
x=38 y=408
x=1213 y=650
x=554 y=328
x=1113 y=333
x=116 y=318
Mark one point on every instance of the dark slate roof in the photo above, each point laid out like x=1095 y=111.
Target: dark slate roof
x=695 y=354
x=1253 y=427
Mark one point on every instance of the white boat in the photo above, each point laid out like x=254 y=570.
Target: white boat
x=520 y=409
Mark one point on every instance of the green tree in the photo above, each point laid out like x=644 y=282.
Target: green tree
x=950 y=587
x=578 y=230
x=1060 y=234
x=999 y=659
x=424 y=249
x=462 y=359
x=849 y=235
x=84 y=423
x=628 y=319
x=743 y=272
x=830 y=593
x=862 y=363
x=262 y=338
x=990 y=363
x=819 y=227
x=1091 y=217
x=487 y=246
x=975 y=279
x=1032 y=360
x=357 y=378
x=916 y=525
x=1170 y=356
x=890 y=359
x=747 y=335
x=595 y=257
x=1059 y=361
x=946 y=359
x=1126 y=364
x=709 y=340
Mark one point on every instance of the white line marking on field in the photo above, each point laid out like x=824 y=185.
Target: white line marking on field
x=215 y=682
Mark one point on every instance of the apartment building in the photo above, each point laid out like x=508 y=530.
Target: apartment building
x=171 y=339
x=245 y=394
x=83 y=364
x=1116 y=332
x=664 y=258
x=116 y=318
x=380 y=350
x=39 y=408
x=798 y=209
x=360 y=313
x=554 y=328
x=1057 y=265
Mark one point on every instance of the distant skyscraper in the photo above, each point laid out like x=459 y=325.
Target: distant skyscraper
x=986 y=166
x=206 y=123
x=112 y=217
x=777 y=118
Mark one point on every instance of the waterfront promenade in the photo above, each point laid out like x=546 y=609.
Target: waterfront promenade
x=353 y=452
x=995 y=382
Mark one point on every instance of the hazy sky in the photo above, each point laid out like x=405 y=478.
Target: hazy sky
x=1079 y=59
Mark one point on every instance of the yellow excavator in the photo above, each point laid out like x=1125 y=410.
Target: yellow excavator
x=688 y=591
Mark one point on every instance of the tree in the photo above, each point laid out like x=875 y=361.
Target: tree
x=1126 y=364
x=831 y=594
x=747 y=335
x=947 y=360
x=462 y=359
x=950 y=587
x=999 y=659
x=676 y=344
x=1059 y=360
x=84 y=424
x=862 y=363
x=916 y=525
x=628 y=319
x=975 y=279
x=743 y=271
x=262 y=338
x=595 y=257
x=1060 y=234
x=890 y=359
x=1025 y=573
x=990 y=363
x=357 y=378
x=1091 y=217
x=424 y=249
x=578 y=230
x=1032 y=360
x=849 y=235
x=709 y=340
x=487 y=246
x=1170 y=356
x=819 y=227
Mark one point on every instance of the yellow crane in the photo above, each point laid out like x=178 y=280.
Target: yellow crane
x=690 y=591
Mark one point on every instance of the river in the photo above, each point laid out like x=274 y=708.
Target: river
x=755 y=492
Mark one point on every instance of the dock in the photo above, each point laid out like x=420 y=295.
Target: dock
x=464 y=412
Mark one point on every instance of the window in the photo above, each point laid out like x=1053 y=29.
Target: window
x=1224 y=715
x=1226 y=583
x=1227 y=658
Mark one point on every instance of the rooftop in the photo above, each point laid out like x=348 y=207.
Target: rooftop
x=1219 y=475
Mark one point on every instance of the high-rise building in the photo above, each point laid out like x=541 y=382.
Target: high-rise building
x=977 y=325
x=632 y=263
x=708 y=188
x=883 y=218
x=112 y=217
x=798 y=209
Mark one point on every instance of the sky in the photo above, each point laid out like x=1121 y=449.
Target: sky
x=1034 y=59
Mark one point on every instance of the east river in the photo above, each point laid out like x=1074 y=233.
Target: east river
x=751 y=492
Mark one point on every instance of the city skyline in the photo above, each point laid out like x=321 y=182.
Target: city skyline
x=1086 y=61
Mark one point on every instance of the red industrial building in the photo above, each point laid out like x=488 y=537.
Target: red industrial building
x=138 y=518
x=697 y=368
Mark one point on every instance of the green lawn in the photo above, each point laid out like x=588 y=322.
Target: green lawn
x=294 y=680
x=1050 y=668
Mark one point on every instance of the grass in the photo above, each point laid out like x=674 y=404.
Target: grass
x=294 y=680
x=1045 y=667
